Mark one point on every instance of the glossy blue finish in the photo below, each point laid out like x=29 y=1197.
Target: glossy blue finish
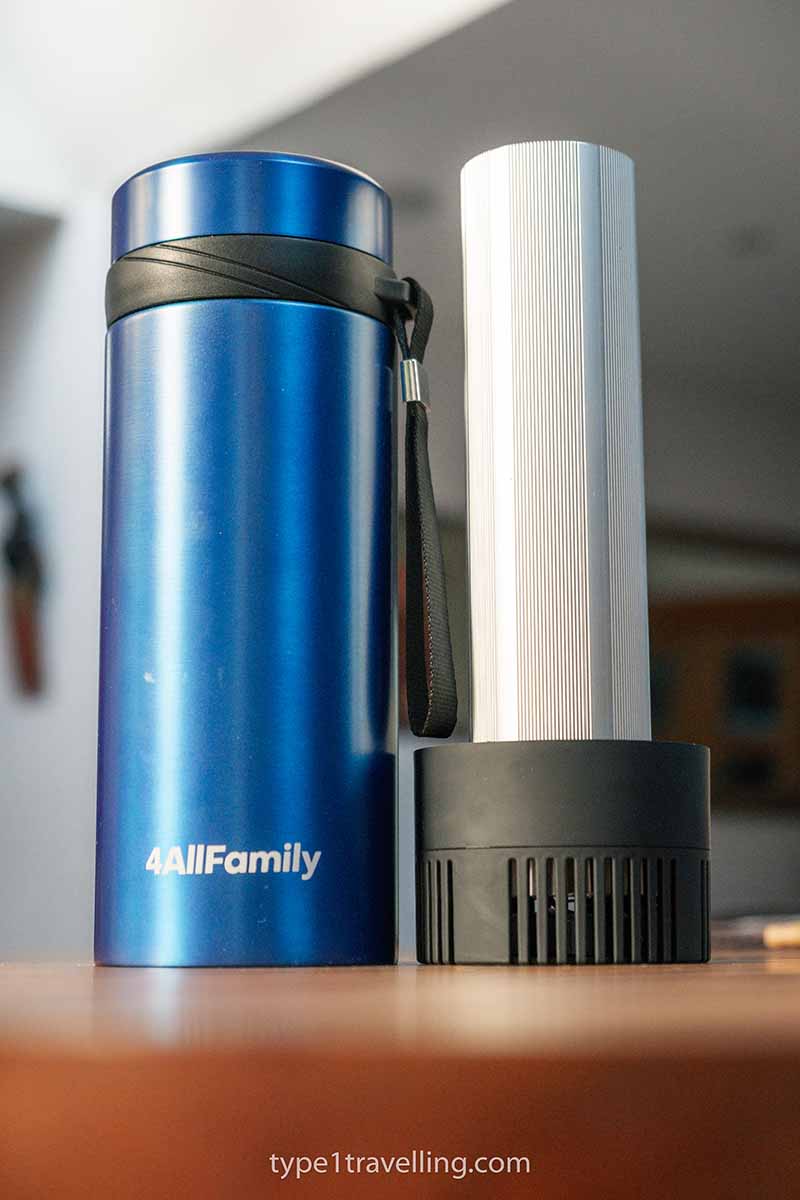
x=247 y=633
x=251 y=193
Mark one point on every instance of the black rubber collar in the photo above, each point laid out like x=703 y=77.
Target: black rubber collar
x=253 y=266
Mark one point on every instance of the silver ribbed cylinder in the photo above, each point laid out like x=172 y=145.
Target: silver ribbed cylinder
x=555 y=482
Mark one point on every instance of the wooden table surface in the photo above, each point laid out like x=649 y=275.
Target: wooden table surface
x=674 y=1081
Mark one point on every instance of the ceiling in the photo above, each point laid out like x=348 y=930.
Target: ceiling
x=703 y=94
x=705 y=98
x=109 y=86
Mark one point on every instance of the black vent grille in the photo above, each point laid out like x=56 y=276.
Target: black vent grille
x=563 y=906
x=435 y=910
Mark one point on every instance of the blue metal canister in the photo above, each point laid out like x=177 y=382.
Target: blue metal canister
x=247 y=715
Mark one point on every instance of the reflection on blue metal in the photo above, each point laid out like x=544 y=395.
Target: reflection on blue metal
x=251 y=193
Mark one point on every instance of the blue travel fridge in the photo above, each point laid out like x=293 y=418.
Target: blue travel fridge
x=247 y=702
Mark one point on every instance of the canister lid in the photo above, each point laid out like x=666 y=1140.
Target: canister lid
x=563 y=793
x=243 y=192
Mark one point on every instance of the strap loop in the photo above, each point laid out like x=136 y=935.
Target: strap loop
x=431 y=682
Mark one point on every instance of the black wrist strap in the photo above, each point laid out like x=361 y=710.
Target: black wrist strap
x=430 y=674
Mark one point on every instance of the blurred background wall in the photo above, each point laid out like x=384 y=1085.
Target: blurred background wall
x=703 y=96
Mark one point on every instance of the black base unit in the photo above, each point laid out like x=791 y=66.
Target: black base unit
x=562 y=852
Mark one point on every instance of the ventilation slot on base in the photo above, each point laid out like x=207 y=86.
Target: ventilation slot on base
x=591 y=910
x=558 y=908
x=435 y=911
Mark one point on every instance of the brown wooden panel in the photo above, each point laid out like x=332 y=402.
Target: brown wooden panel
x=694 y=642
x=658 y=1081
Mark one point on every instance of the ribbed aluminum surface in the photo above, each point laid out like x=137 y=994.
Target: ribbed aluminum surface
x=555 y=483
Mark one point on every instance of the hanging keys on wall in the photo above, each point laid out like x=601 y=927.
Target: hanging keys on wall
x=23 y=587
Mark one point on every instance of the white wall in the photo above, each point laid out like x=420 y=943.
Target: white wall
x=51 y=349
x=723 y=451
x=34 y=175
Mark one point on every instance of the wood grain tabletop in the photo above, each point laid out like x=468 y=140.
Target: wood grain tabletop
x=654 y=1081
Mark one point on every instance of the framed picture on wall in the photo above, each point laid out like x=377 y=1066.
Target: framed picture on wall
x=725 y=664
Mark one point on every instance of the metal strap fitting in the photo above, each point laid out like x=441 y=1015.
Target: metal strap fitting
x=414 y=383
